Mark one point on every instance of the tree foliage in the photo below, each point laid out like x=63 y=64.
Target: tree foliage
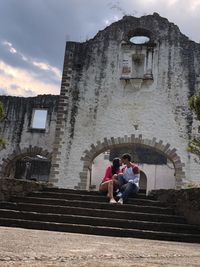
x=1 y=111
x=194 y=145
x=194 y=104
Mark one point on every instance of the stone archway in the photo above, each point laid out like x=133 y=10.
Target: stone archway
x=8 y=166
x=96 y=149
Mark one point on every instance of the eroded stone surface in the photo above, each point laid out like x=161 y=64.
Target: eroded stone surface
x=185 y=201
x=103 y=101
x=19 y=247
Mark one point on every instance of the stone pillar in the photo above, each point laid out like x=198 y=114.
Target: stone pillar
x=63 y=107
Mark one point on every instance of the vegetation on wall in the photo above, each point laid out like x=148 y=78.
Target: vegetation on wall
x=194 y=145
x=191 y=185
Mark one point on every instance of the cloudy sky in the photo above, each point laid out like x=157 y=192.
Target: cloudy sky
x=33 y=35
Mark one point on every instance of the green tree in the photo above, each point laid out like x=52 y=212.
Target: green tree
x=194 y=145
x=2 y=115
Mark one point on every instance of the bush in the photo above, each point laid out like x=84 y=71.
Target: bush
x=191 y=185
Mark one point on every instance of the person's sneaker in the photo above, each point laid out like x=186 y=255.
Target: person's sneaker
x=120 y=201
x=119 y=194
x=112 y=201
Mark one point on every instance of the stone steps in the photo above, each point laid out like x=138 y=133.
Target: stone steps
x=80 y=192
x=99 y=221
x=138 y=200
x=95 y=205
x=120 y=214
x=100 y=230
x=90 y=213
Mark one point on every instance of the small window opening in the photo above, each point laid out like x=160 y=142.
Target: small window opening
x=39 y=119
x=139 y=39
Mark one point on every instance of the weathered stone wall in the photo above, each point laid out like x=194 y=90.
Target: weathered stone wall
x=15 y=187
x=96 y=103
x=16 y=127
x=185 y=201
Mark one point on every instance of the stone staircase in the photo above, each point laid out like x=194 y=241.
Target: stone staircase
x=79 y=211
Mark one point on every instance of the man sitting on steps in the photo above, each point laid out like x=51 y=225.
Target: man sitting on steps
x=128 y=179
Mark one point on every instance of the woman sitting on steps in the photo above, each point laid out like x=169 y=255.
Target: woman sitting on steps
x=109 y=182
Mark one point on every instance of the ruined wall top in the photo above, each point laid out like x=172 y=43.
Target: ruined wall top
x=154 y=26
x=159 y=30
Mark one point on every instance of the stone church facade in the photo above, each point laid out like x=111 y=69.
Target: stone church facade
x=115 y=93
x=118 y=94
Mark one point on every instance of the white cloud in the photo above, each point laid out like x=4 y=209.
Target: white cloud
x=111 y=20
x=10 y=48
x=41 y=65
x=23 y=81
x=6 y=43
x=171 y=3
x=35 y=32
x=47 y=67
x=183 y=13
x=36 y=69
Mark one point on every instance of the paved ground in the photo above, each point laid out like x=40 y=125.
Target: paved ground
x=20 y=247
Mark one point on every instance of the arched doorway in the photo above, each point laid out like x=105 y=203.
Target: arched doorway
x=29 y=163
x=156 y=171
x=107 y=144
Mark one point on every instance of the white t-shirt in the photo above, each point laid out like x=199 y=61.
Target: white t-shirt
x=130 y=176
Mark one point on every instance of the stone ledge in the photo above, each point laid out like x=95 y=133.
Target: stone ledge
x=185 y=201
x=19 y=187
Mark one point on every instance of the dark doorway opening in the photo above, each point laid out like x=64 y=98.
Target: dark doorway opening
x=35 y=168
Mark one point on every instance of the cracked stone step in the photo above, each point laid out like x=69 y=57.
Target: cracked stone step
x=101 y=221
x=100 y=230
x=96 y=212
x=91 y=198
x=99 y=205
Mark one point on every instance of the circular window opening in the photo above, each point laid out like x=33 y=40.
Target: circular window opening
x=139 y=39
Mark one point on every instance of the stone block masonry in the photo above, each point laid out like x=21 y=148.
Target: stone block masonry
x=117 y=92
x=185 y=201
